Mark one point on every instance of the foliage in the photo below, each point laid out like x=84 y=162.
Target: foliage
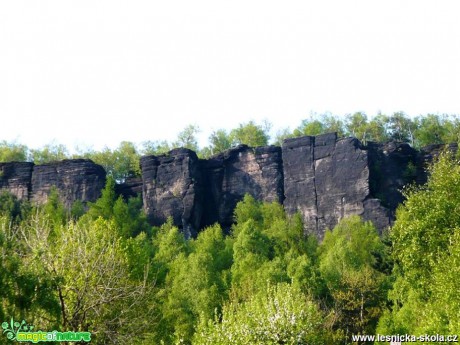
x=121 y=163
x=425 y=249
x=348 y=257
x=187 y=138
x=49 y=153
x=250 y=134
x=280 y=314
x=12 y=152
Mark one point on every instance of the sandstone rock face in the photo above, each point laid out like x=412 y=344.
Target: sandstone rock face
x=131 y=187
x=392 y=166
x=326 y=179
x=427 y=155
x=232 y=174
x=15 y=177
x=172 y=187
x=323 y=177
x=76 y=179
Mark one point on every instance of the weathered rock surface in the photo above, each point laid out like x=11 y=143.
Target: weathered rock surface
x=172 y=187
x=131 y=187
x=232 y=174
x=75 y=179
x=15 y=177
x=323 y=177
x=326 y=180
x=392 y=166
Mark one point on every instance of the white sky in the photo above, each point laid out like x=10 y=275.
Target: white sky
x=94 y=73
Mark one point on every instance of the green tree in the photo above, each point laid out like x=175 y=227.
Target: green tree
x=347 y=265
x=356 y=125
x=121 y=163
x=155 y=148
x=187 y=138
x=219 y=141
x=280 y=314
x=377 y=129
x=425 y=247
x=309 y=127
x=50 y=153
x=12 y=152
x=250 y=134
x=402 y=128
x=197 y=283
x=431 y=130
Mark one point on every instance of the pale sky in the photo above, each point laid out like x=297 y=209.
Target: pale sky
x=95 y=73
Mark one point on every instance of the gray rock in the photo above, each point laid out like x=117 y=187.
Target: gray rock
x=172 y=188
x=236 y=172
x=15 y=177
x=326 y=179
x=74 y=179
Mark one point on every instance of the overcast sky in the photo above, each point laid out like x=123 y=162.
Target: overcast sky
x=94 y=73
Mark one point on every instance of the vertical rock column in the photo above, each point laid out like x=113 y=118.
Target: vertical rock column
x=232 y=174
x=326 y=179
x=15 y=177
x=299 y=180
x=172 y=187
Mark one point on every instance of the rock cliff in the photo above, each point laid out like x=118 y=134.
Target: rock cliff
x=172 y=187
x=323 y=177
x=232 y=174
x=77 y=179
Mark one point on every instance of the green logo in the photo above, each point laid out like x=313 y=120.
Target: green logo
x=23 y=332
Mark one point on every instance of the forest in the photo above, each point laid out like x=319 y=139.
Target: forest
x=102 y=268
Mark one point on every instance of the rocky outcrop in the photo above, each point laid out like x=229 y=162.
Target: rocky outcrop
x=232 y=174
x=15 y=177
x=76 y=179
x=323 y=177
x=392 y=165
x=328 y=179
x=131 y=187
x=172 y=188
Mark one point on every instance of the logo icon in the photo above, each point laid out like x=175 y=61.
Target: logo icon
x=13 y=328
x=23 y=332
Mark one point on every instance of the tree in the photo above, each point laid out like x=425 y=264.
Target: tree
x=12 y=152
x=377 y=129
x=250 y=134
x=49 y=153
x=401 y=128
x=309 y=127
x=121 y=163
x=197 y=284
x=155 y=148
x=220 y=141
x=425 y=248
x=356 y=125
x=347 y=265
x=280 y=314
x=431 y=130
x=187 y=138
x=90 y=268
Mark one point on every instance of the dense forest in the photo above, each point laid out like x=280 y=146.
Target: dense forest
x=102 y=268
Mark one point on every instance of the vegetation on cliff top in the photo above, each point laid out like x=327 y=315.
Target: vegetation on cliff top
x=123 y=161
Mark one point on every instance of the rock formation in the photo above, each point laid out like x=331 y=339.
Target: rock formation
x=328 y=179
x=323 y=177
x=172 y=188
x=15 y=177
x=77 y=179
x=232 y=174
